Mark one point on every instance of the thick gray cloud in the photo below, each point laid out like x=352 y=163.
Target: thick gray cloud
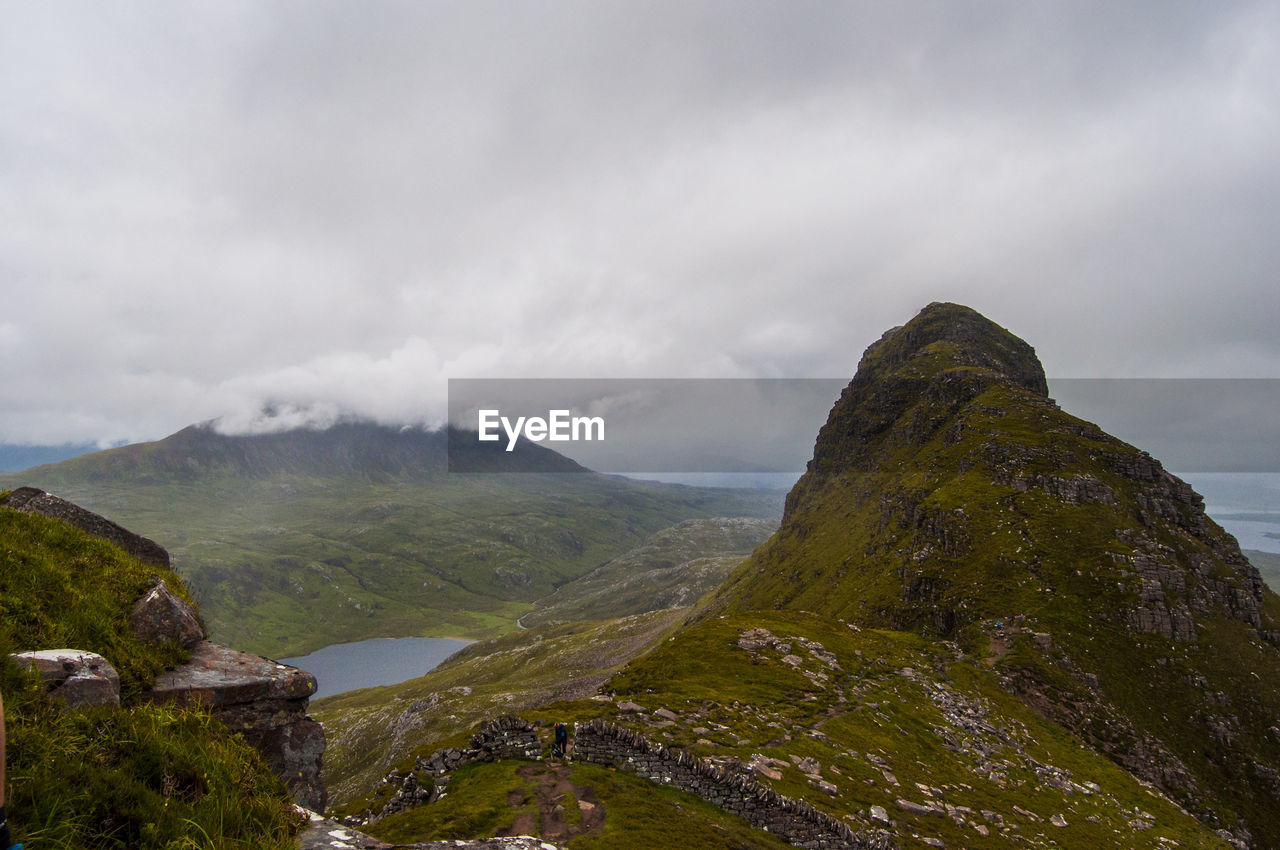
x=212 y=207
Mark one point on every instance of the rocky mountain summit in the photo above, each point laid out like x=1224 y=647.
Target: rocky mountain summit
x=948 y=495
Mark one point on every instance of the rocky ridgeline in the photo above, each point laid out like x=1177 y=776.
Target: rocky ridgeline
x=264 y=701
x=1168 y=592
x=794 y=821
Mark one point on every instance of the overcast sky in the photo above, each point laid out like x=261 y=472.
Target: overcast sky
x=210 y=209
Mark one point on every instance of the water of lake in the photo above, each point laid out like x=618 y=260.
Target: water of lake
x=371 y=663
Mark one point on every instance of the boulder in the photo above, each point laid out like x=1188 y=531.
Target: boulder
x=161 y=616
x=75 y=677
x=261 y=699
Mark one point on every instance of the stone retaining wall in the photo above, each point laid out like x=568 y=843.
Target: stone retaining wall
x=794 y=821
x=502 y=738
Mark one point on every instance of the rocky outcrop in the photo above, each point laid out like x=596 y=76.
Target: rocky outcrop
x=261 y=699
x=877 y=402
x=161 y=616
x=1169 y=593
x=75 y=678
x=35 y=501
x=265 y=701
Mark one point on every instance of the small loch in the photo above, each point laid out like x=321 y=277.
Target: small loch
x=370 y=663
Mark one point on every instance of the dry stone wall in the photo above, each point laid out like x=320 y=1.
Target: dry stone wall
x=502 y=738
x=794 y=821
x=601 y=742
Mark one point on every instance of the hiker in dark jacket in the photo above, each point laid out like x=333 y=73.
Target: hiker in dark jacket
x=562 y=741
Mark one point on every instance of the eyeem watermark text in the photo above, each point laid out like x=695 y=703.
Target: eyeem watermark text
x=558 y=427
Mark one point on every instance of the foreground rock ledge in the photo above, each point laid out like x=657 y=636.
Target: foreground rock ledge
x=261 y=699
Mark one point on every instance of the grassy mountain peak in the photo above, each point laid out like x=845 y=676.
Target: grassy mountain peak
x=950 y=496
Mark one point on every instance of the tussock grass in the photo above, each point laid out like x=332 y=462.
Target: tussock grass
x=142 y=777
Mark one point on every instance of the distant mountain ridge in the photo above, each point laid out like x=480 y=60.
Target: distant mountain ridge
x=14 y=458
x=359 y=449
x=298 y=539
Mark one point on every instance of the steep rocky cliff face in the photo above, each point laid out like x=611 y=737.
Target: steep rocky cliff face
x=950 y=496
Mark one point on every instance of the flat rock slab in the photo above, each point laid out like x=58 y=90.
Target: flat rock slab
x=324 y=834
x=218 y=677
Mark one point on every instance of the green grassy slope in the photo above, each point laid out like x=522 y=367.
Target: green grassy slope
x=948 y=493
x=881 y=716
x=298 y=540
x=888 y=716
x=136 y=777
x=374 y=729
x=672 y=569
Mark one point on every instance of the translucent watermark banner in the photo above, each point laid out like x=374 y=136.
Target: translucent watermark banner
x=1188 y=424
x=768 y=426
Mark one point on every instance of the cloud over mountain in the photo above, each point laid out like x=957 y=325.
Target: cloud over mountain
x=218 y=210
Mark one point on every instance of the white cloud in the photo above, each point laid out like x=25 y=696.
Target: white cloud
x=332 y=208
